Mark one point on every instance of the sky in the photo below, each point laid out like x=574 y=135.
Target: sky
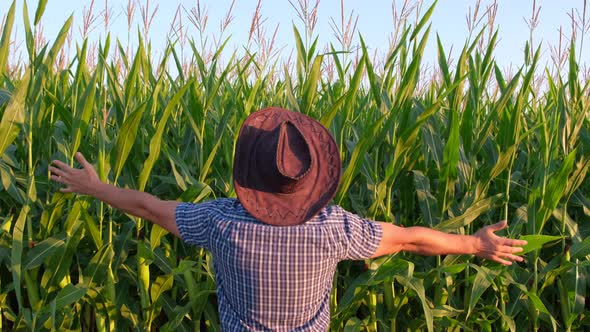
x=375 y=22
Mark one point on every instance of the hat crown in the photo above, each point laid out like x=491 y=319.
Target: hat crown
x=285 y=157
x=293 y=157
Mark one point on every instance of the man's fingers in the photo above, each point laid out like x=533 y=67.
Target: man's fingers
x=66 y=190
x=61 y=164
x=505 y=258
x=56 y=171
x=82 y=160
x=515 y=258
x=513 y=242
x=497 y=226
x=508 y=249
x=500 y=260
x=60 y=179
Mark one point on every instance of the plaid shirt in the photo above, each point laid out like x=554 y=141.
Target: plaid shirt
x=273 y=278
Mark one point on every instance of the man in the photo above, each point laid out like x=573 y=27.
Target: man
x=277 y=245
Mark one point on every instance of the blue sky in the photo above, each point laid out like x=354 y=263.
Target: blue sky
x=374 y=22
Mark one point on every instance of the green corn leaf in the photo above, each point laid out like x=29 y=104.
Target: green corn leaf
x=384 y=272
x=14 y=115
x=16 y=252
x=354 y=324
x=211 y=319
x=144 y=259
x=81 y=121
x=411 y=75
x=82 y=68
x=29 y=38
x=310 y=85
x=540 y=306
x=130 y=315
x=355 y=84
x=417 y=285
x=487 y=62
x=502 y=163
x=337 y=62
x=581 y=249
x=536 y=242
x=209 y=162
x=179 y=313
x=250 y=101
x=52 y=213
x=195 y=193
x=301 y=53
x=5 y=41
x=227 y=116
x=215 y=88
x=42 y=250
x=329 y=115
x=162 y=262
x=92 y=228
x=125 y=140
x=184 y=266
x=133 y=78
x=573 y=83
x=160 y=285
x=442 y=62
x=427 y=201
x=499 y=108
x=425 y=18
x=58 y=43
x=97 y=271
x=373 y=82
x=57 y=267
x=4 y=97
x=311 y=51
x=509 y=320
x=483 y=280
x=451 y=155
x=577 y=176
x=555 y=190
x=6 y=225
x=471 y=213
x=155 y=142
x=156 y=236
x=69 y=295
x=178 y=64
x=115 y=89
x=40 y=9
x=360 y=149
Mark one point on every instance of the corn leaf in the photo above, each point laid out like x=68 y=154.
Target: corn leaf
x=5 y=41
x=14 y=115
x=125 y=140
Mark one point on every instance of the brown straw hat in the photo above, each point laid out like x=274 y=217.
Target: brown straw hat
x=286 y=167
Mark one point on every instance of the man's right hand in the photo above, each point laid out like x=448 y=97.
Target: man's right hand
x=81 y=181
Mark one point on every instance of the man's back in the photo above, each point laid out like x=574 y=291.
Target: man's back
x=270 y=277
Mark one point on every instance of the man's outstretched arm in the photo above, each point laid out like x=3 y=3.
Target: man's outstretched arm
x=140 y=204
x=426 y=241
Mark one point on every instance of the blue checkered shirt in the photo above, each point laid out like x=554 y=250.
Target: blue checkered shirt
x=273 y=278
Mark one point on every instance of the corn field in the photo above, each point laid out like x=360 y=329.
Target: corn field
x=464 y=148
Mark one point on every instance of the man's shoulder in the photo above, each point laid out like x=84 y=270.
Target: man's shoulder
x=212 y=207
x=332 y=214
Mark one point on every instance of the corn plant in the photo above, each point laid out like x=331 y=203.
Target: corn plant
x=454 y=153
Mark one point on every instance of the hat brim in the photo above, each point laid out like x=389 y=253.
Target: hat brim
x=318 y=187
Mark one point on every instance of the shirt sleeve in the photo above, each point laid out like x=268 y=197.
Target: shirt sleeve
x=194 y=223
x=364 y=236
